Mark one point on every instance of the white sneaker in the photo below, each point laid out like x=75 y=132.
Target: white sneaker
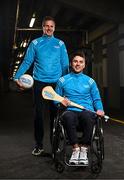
x=83 y=159
x=75 y=156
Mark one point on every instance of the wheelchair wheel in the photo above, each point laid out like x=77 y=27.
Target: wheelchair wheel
x=59 y=167
x=97 y=150
x=58 y=144
x=96 y=168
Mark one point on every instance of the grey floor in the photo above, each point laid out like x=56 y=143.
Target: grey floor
x=16 y=143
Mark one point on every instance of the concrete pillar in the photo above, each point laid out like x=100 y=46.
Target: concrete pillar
x=113 y=70
x=121 y=62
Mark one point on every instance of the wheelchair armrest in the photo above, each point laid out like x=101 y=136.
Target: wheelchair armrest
x=60 y=109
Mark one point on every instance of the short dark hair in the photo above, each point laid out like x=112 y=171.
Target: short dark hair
x=78 y=53
x=47 y=18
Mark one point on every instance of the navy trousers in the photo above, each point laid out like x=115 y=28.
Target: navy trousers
x=42 y=108
x=84 y=121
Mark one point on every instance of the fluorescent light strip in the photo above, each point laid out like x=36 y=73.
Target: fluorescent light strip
x=32 y=22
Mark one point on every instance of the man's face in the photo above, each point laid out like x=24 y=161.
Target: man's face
x=49 y=27
x=78 y=64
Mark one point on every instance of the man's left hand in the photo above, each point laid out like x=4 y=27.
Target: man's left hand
x=100 y=113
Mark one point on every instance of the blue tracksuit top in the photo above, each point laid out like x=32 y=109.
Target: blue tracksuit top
x=80 y=89
x=50 y=59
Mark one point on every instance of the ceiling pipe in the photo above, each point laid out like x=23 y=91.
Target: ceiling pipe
x=58 y=29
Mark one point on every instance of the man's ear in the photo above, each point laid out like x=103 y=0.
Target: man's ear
x=42 y=27
x=70 y=66
x=54 y=28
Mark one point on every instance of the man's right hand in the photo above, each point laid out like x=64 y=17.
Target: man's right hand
x=19 y=84
x=65 y=102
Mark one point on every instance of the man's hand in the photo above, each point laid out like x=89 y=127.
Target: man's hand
x=66 y=102
x=19 y=84
x=100 y=113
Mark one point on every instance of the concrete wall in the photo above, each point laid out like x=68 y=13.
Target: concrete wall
x=106 y=68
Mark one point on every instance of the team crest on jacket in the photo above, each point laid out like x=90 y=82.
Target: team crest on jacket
x=57 y=47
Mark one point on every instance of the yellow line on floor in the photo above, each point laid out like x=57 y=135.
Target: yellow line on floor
x=116 y=120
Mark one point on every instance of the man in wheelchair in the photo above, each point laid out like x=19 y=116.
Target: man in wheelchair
x=83 y=90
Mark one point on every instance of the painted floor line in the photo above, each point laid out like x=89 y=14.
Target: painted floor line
x=116 y=120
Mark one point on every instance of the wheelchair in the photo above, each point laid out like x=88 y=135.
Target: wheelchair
x=61 y=149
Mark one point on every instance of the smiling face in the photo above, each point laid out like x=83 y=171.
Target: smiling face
x=78 y=64
x=48 y=27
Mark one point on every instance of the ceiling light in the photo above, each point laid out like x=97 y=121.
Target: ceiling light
x=25 y=44
x=32 y=22
x=17 y=62
x=16 y=67
x=20 y=54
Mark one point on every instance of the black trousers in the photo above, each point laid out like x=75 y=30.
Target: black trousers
x=83 y=120
x=42 y=108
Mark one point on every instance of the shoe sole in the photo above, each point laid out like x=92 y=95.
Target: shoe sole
x=37 y=154
x=83 y=162
x=74 y=163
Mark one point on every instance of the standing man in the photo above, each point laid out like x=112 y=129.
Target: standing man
x=81 y=89
x=50 y=61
